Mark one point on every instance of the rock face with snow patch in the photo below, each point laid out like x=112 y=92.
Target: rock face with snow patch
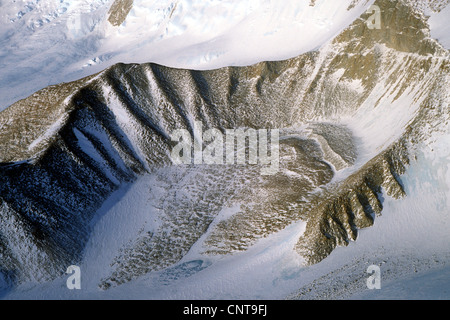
x=119 y=11
x=67 y=148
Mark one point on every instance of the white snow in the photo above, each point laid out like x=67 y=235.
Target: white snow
x=440 y=28
x=193 y=34
x=49 y=42
x=87 y=146
x=410 y=240
x=51 y=131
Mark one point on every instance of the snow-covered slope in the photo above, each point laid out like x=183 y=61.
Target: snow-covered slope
x=86 y=176
x=49 y=42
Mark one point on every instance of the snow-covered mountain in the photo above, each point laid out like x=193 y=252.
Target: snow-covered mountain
x=87 y=176
x=49 y=42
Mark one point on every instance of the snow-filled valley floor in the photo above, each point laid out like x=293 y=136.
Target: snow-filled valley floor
x=409 y=242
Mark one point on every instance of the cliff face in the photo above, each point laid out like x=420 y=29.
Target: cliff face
x=67 y=148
